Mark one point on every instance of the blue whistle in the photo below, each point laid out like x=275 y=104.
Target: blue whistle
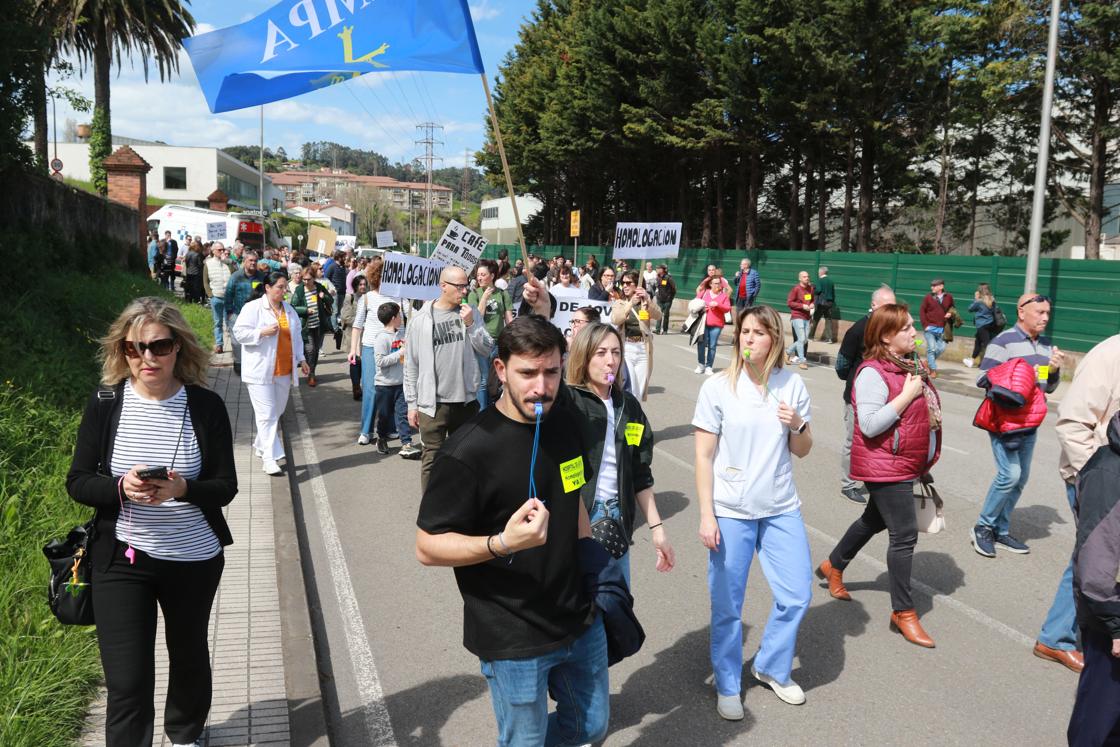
x=538 y=408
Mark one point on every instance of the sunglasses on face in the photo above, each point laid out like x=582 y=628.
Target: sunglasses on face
x=627 y=282
x=160 y=348
x=1036 y=299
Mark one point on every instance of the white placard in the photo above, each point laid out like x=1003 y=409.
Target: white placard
x=647 y=240
x=385 y=239
x=567 y=304
x=216 y=231
x=406 y=276
x=459 y=246
x=342 y=243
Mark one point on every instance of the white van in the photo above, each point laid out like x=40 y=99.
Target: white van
x=210 y=225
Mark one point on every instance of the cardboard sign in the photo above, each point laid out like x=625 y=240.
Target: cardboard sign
x=320 y=239
x=647 y=240
x=385 y=239
x=216 y=231
x=567 y=304
x=459 y=247
x=406 y=276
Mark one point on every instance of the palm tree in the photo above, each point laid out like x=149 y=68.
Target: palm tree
x=101 y=32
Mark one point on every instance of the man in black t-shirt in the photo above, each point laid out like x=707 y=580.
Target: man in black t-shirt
x=526 y=614
x=847 y=361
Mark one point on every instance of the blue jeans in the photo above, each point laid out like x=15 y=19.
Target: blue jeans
x=783 y=553
x=601 y=510
x=218 y=311
x=575 y=674
x=369 y=390
x=391 y=408
x=1013 y=467
x=706 y=346
x=935 y=346
x=1060 y=629
x=800 y=333
x=483 y=396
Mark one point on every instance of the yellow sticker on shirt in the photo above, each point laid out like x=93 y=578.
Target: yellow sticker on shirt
x=808 y=296
x=1043 y=372
x=643 y=315
x=571 y=473
x=634 y=433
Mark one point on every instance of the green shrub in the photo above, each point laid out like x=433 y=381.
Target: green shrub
x=48 y=367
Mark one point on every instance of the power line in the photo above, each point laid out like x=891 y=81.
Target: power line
x=429 y=142
x=374 y=117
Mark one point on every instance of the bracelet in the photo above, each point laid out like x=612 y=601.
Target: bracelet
x=502 y=542
x=655 y=526
x=491 y=549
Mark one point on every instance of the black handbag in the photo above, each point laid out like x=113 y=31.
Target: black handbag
x=70 y=592
x=608 y=533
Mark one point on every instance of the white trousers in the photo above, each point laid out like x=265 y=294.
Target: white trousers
x=269 y=402
x=638 y=364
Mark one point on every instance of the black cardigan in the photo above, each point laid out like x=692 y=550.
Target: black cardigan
x=90 y=482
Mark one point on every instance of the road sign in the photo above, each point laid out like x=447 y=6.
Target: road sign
x=574 y=232
x=56 y=164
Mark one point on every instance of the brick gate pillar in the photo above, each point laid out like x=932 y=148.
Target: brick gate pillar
x=127 y=173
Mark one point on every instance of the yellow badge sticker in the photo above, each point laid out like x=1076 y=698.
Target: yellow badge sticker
x=634 y=433
x=808 y=296
x=1043 y=372
x=664 y=282
x=643 y=315
x=571 y=473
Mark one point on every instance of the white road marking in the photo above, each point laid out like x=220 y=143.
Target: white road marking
x=954 y=449
x=965 y=609
x=378 y=725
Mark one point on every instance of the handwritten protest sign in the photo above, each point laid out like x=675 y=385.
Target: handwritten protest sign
x=459 y=247
x=647 y=240
x=406 y=276
x=216 y=231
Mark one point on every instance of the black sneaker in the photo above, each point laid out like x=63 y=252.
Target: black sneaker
x=382 y=445
x=853 y=495
x=1009 y=543
x=984 y=541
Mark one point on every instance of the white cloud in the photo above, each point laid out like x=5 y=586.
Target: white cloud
x=484 y=11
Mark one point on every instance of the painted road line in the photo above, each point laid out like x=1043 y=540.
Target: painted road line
x=378 y=725
x=954 y=449
x=965 y=609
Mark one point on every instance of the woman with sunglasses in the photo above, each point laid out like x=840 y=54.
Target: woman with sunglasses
x=154 y=457
x=634 y=314
x=271 y=338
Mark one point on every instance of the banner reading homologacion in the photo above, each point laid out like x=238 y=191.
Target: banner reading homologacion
x=406 y=276
x=647 y=240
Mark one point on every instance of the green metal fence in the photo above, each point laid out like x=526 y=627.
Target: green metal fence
x=1086 y=293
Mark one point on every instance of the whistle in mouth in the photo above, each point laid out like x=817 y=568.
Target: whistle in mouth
x=538 y=408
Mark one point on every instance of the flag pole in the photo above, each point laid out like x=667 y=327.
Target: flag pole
x=505 y=168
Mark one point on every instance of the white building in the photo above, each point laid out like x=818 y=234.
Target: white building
x=184 y=175
x=323 y=218
x=498 y=225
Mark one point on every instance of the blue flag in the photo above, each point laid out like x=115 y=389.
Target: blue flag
x=301 y=45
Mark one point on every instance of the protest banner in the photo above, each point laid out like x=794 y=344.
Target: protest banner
x=216 y=231
x=320 y=239
x=459 y=246
x=385 y=239
x=406 y=276
x=567 y=304
x=647 y=240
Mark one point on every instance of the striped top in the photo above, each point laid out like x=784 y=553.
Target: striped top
x=366 y=319
x=1015 y=343
x=158 y=433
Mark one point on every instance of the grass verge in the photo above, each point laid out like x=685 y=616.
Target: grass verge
x=48 y=366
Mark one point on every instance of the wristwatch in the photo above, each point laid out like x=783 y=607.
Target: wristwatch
x=801 y=429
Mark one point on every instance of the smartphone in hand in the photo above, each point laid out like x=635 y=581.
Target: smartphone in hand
x=152 y=473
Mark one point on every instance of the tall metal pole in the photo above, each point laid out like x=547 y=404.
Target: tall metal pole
x=260 y=163
x=1034 y=246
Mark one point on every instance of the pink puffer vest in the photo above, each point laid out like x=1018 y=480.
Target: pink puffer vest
x=901 y=453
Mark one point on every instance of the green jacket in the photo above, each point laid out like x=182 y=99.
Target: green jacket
x=633 y=446
x=826 y=291
x=326 y=305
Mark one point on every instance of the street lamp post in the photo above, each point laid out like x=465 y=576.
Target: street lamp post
x=1038 y=209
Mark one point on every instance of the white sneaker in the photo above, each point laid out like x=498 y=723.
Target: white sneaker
x=271 y=467
x=699 y=369
x=969 y=363
x=363 y=440
x=790 y=692
x=708 y=371
x=729 y=707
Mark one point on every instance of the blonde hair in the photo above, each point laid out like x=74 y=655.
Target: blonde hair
x=191 y=361
x=986 y=296
x=584 y=344
x=770 y=322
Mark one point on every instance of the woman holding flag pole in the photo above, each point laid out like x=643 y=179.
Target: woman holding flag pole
x=749 y=419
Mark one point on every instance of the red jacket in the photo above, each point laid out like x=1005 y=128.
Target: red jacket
x=901 y=453
x=796 y=297
x=932 y=313
x=1014 y=403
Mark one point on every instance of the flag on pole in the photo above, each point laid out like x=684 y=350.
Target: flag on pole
x=302 y=45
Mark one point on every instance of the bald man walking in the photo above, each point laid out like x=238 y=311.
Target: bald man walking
x=441 y=374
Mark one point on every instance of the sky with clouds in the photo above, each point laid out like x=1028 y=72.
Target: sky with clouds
x=374 y=112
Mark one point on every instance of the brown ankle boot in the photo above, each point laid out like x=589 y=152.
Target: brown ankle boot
x=357 y=392
x=906 y=622
x=835 y=580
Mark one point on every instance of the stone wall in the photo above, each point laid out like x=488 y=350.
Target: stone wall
x=34 y=203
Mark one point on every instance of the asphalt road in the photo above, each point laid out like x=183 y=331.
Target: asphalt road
x=391 y=629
